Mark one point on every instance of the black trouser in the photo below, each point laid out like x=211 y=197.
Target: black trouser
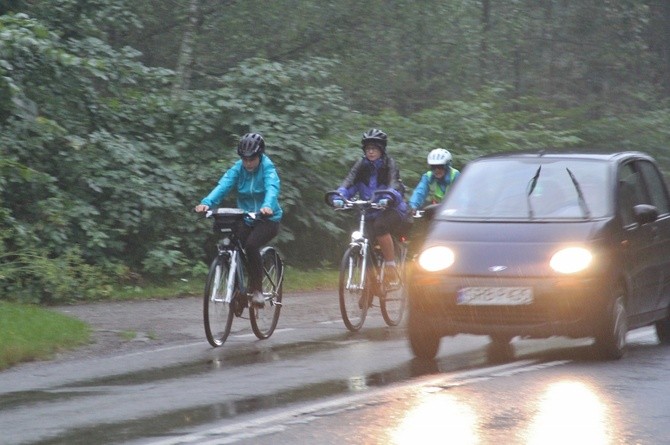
x=253 y=239
x=389 y=221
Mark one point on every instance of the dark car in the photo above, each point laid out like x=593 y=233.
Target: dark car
x=546 y=244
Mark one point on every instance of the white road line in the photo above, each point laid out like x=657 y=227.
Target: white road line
x=276 y=422
x=278 y=331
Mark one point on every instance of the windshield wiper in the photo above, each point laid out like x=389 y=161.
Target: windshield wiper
x=580 y=196
x=531 y=186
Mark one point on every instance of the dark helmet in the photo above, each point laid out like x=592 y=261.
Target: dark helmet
x=251 y=144
x=375 y=136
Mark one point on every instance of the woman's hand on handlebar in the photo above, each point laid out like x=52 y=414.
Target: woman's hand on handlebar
x=266 y=211
x=201 y=208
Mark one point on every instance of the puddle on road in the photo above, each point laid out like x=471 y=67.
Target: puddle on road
x=186 y=419
x=156 y=427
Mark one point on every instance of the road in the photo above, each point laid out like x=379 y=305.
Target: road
x=313 y=382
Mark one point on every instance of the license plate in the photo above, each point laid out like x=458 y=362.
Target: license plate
x=494 y=296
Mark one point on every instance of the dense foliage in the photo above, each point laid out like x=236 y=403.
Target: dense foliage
x=116 y=117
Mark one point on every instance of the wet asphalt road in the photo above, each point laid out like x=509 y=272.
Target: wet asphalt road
x=313 y=382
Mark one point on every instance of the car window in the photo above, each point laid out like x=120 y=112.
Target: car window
x=655 y=186
x=530 y=188
x=631 y=192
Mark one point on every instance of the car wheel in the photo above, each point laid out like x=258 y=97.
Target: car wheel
x=663 y=331
x=423 y=339
x=611 y=339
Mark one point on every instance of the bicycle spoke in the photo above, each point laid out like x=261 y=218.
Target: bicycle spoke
x=354 y=296
x=264 y=319
x=217 y=313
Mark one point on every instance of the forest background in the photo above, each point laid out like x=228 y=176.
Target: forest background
x=118 y=116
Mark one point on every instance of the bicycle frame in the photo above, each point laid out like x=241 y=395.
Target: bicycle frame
x=229 y=246
x=223 y=303
x=359 y=238
x=233 y=273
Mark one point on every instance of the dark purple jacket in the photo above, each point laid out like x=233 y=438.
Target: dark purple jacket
x=367 y=177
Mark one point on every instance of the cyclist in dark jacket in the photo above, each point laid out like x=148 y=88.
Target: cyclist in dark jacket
x=376 y=176
x=257 y=184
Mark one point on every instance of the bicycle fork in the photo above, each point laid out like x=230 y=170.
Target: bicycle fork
x=230 y=283
x=363 y=250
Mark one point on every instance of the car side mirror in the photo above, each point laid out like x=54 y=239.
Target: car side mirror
x=429 y=211
x=645 y=213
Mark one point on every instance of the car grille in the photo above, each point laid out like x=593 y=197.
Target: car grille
x=551 y=304
x=513 y=315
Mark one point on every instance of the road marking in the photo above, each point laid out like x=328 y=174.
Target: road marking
x=253 y=335
x=272 y=423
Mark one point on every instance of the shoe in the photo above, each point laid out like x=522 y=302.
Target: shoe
x=257 y=298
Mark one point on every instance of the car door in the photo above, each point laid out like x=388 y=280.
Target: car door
x=639 y=252
x=657 y=193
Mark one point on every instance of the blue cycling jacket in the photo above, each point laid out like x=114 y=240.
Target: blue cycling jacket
x=256 y=189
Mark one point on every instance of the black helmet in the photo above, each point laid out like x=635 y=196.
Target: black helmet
x=251 y=144
x=375 y=136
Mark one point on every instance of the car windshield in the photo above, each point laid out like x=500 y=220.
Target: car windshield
x=530 y=188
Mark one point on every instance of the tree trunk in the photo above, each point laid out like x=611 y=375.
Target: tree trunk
x=665 y=45
x=185 y=61
x=484 y=45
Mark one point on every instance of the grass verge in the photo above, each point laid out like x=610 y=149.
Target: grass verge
x=29 y=333
x=295 y=280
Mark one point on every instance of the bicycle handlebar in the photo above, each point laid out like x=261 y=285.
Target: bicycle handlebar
x=233 y=212
x=357 y=203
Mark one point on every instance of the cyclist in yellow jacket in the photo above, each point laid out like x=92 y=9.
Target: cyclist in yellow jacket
x=434 y=183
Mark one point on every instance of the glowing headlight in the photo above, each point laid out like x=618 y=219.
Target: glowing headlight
x=436 y=258
x=356 y=236
x=571 y=260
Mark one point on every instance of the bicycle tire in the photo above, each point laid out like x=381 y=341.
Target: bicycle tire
x=218 y=315
x=264 y=319
x=394 y=301
x=354 y=295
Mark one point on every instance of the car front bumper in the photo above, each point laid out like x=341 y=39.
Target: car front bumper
x=566 y=306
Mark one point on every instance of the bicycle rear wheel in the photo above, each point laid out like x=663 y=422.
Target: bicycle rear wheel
x=264 y=319
x=394 y=300
x=216 y=311
x=354 y=294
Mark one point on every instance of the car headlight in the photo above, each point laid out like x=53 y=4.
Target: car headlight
x=436 y=258
x=571 y=260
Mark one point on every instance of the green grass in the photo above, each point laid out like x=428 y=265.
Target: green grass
x=316 y=279
x=29 y=333
x=295 y=280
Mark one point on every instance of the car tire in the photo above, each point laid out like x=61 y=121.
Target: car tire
x=663 y=331
x=423 y=339
x=611 y=339
x=500 y=349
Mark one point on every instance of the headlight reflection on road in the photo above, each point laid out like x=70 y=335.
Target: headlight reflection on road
x=437 y=418
x=570 y=412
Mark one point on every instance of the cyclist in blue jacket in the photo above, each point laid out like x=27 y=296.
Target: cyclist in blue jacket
x=257 y=184
x=376 y=171
x=434 y=183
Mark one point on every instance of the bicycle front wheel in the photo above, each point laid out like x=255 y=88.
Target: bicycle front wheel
x=216 y=311
x=394 y=300
x=264 y=319
x=354 y=294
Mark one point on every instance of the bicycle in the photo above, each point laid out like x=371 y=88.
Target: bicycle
x=362 y=273
x=226 y=294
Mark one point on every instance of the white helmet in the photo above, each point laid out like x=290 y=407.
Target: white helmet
x=439 y=156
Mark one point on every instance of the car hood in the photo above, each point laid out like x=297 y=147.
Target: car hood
x=505 y=249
